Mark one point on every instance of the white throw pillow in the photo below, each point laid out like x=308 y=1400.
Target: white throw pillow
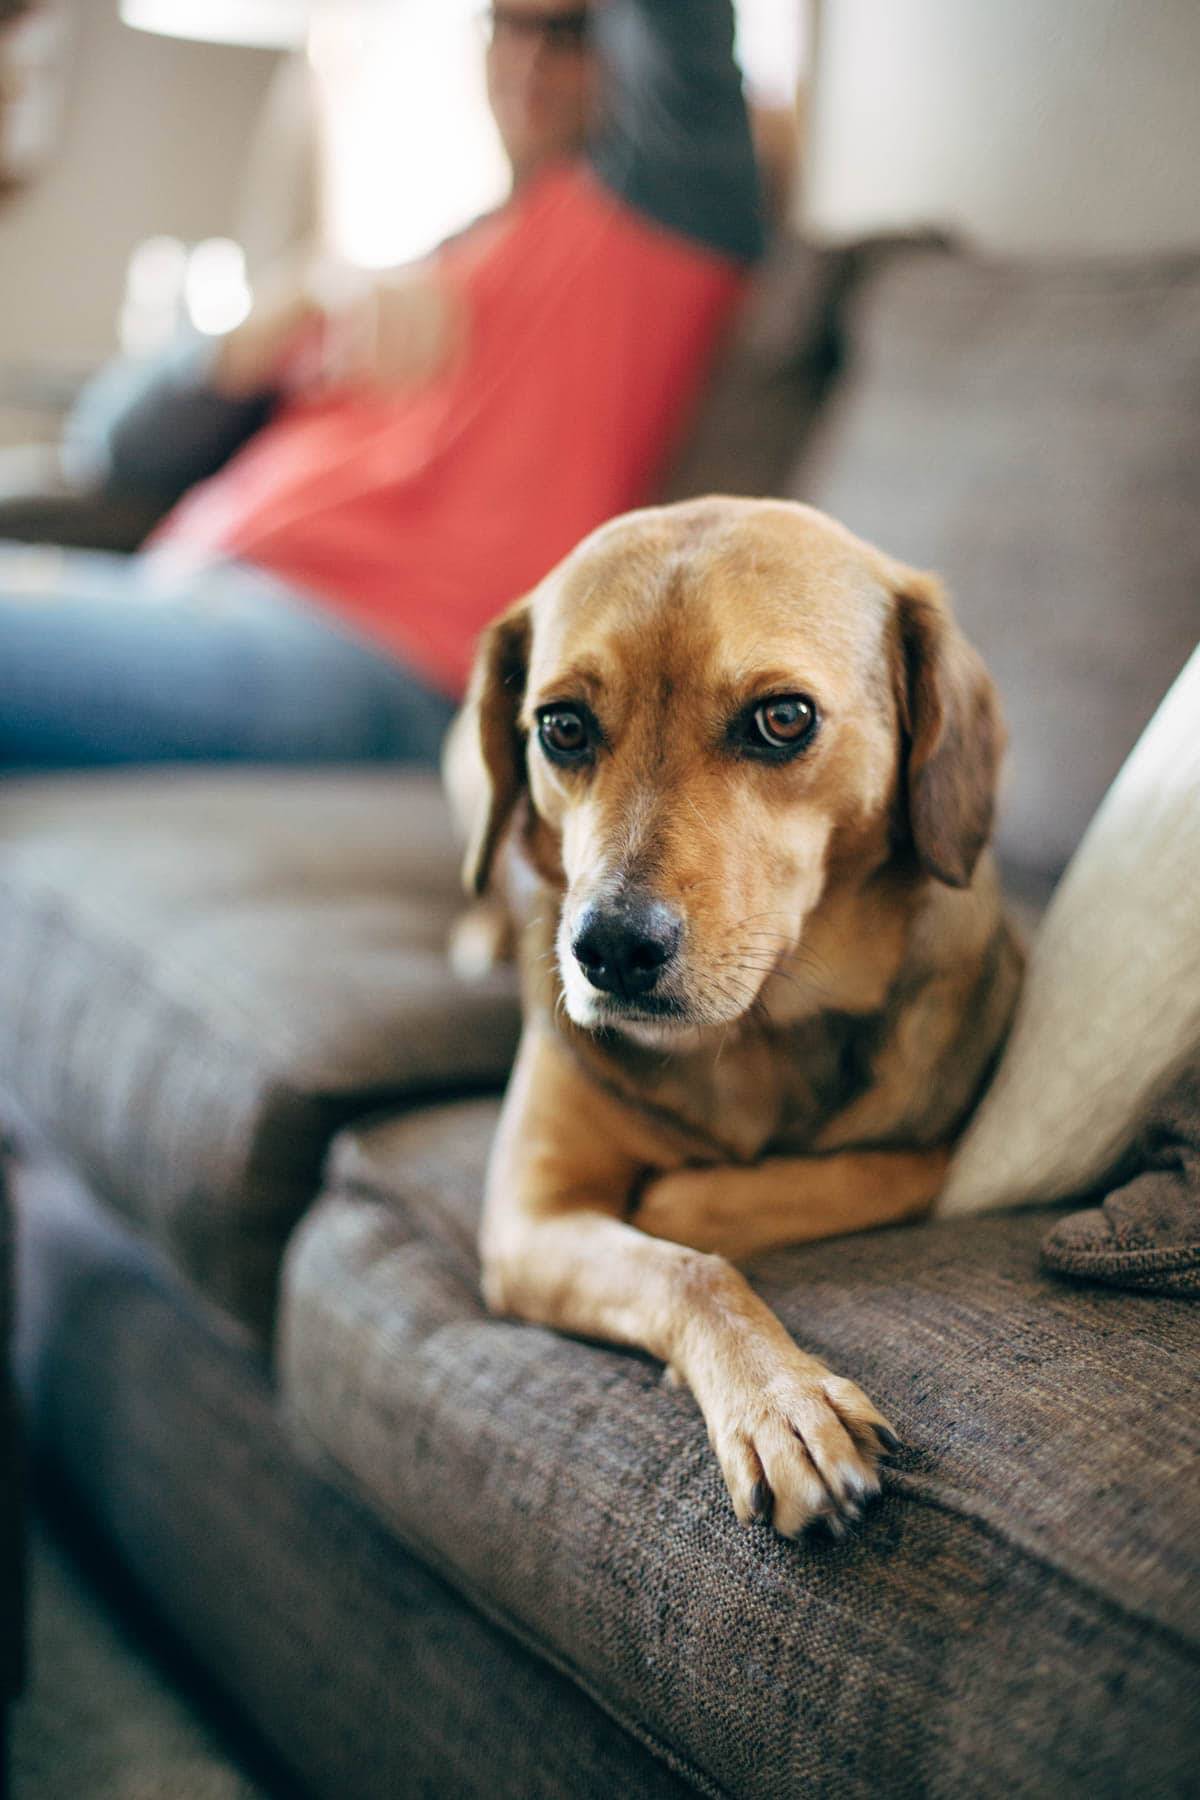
x=1111 y=1002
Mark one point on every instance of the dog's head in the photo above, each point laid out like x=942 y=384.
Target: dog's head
x=721 y=711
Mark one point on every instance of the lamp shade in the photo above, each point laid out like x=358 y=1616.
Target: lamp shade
x=259 y=24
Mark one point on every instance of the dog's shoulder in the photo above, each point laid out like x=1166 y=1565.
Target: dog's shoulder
x=932 y=1045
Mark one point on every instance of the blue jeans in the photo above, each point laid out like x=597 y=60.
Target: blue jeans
x=109 y=659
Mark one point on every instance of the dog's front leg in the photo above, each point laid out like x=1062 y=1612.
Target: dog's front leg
x=795 y=1442
x=739 y=1210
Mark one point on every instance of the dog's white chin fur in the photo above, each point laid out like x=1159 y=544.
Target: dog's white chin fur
x=660 y=1034
x=652 y=1034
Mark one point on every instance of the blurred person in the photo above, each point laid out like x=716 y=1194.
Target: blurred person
x=390 y=461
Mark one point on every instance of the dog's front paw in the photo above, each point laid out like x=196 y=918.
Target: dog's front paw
x=797 y=1444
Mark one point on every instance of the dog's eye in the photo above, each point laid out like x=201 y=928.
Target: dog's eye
x=564 y=733
x=784 y=723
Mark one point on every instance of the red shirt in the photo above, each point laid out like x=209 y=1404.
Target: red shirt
x=418 y=515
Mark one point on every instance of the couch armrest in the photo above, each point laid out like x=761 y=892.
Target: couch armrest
x=38 y=505
x=12 y=1487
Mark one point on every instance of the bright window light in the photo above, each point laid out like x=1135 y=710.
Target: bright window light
x=154 y=282
x=772 y=47
x=410 y=151
x=215 y=290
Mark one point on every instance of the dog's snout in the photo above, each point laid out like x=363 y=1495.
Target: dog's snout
x=624 y=948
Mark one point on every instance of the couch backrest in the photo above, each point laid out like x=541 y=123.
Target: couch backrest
x=1031 y=431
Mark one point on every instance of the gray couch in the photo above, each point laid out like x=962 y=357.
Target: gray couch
x=12 y=1494
x=428 y=1552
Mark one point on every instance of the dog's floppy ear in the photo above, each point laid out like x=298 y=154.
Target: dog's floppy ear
x=955 y=737
x=493 y=741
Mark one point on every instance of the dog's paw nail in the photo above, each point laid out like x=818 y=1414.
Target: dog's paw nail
x=889 y=1440
x=861 y=1484
x=761 y=1503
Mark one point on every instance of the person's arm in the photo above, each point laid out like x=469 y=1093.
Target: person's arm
x=156 y=428
x=675 y=141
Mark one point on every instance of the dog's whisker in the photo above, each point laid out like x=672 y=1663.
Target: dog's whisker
x=705 y=822
x=802 y=980
x=773 y=912
x=772 y=969
x=739 y=997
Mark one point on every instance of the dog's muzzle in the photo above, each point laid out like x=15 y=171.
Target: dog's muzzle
x=626 y=946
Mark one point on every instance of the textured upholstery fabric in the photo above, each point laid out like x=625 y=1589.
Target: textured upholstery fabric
x=1019 y=1614
x=12 y=1543
x=364 y=1672
x=1032 y=432
x=202 y=976
x=1111 y=1002
x=768 y=386
x=38 y=506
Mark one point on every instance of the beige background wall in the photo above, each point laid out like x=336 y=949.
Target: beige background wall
x=1035 y=124
x=155 y=139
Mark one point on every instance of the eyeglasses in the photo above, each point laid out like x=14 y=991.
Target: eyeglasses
x=564 y=32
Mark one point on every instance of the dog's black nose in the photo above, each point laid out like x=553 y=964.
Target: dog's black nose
x=624 y=948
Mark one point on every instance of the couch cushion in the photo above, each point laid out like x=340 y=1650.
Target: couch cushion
x=1032 y=432
x=202 y=977
x=766 y=390
x=12 y=1498
x=1017 y=1614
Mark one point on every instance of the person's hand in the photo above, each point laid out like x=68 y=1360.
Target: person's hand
x=287 y=313
x=320 y=324
x=392 y=330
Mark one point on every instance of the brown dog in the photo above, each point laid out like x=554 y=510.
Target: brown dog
x=743 y=767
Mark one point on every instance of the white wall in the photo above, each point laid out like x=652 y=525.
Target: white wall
x=1032 y=124
x=155 y=137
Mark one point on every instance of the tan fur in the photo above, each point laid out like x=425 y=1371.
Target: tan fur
x=845 y=977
